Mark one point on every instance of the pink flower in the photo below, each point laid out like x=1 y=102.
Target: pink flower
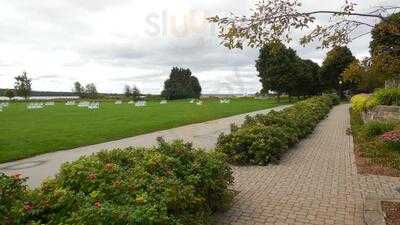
x=92 y=176
x=97 y=205
x=28 y=207
x=391 y=137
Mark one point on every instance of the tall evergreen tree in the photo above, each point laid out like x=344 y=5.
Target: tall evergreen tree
x=181 y=84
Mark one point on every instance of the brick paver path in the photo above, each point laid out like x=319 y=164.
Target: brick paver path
x=315 y=183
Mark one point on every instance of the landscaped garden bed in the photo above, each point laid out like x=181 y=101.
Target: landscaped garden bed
x=169 y=184
x=392 y=212
x=377 y=142
x=264 y=138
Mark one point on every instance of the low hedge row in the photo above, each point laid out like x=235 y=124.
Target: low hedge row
x=169 y=184
x=263 y=139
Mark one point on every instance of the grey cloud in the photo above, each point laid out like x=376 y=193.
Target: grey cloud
x=41 y=77
x=141 y=78
x=65 y=29
x=193 y=53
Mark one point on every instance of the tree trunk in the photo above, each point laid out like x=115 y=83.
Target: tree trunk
x=278 y=97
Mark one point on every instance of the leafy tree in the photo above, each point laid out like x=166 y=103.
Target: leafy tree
x=91 y=91
x=79 y=89
x=383 y=37
x=23 y=85
x=308 y=81
x=9 y=93
x=181 y=84
x=276 y=19
x=385 y=48
x=127 y=91
x=360 y=73
x=335 y=63
x=135 y=92
x=277 y=68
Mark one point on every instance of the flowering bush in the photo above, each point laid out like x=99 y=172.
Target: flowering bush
x=13 y=199
x=262 y=139
x=172 y=183
x=392 y=138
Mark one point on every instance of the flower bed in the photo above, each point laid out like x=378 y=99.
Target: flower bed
x=169 y=184
x=392 y=139
x=386 y=96
x=264 y=138
x=377 y=145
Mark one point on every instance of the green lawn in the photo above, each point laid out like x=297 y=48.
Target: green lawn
x=25 y=133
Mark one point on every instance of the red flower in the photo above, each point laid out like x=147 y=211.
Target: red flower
x=28 y=207
x=92 y=176
x=110 y=167
x=16 y=176
x=97 y=205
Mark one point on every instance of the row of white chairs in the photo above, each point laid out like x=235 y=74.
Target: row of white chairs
x=3 y=105
x=36 y=105
x=140 y=103
x=70 y=103
x=39 y=105
x=94 y=105
x=197 y=102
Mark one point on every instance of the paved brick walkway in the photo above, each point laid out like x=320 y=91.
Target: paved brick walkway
x=316 y=183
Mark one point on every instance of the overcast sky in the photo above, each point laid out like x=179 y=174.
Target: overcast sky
x=118 y=42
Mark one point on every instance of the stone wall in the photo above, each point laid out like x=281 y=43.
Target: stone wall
x=394 y=83
x=382 y=112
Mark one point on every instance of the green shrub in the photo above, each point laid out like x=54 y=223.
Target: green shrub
x=169 y=184
x=375 y=128
x=335 y=99
x=13 y=199
x=359 y=102
x=263 y=139
x=387 y=96
x=256 y=144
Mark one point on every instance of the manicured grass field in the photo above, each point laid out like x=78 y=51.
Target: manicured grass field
x=25 y=133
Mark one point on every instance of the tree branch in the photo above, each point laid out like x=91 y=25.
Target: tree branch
x=379 y=16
